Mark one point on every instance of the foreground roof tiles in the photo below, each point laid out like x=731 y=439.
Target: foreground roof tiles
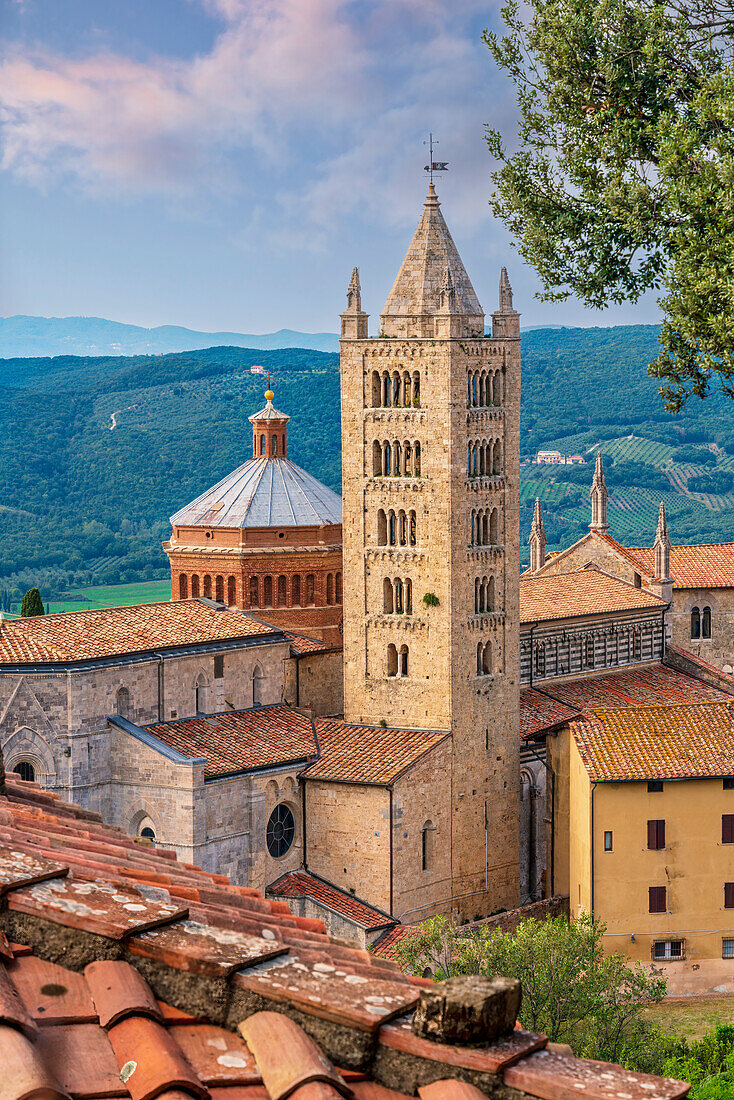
x=706 y=566
x=677 y=741
x=235 y=1000
x=374 y=755
x=303 y=884
x=241 y=740
x=74 y=636
x=587 y=591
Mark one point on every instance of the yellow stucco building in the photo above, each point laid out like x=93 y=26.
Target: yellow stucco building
x=643 y=833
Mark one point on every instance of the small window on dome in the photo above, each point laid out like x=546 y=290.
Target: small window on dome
x=275 y=445
x=263 y=444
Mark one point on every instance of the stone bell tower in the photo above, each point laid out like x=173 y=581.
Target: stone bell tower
x=430 y=444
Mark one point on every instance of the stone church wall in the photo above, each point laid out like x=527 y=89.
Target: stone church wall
x=719 y=648
x=315 y=682
x=348 y=838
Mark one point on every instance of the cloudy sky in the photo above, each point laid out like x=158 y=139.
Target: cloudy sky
x=223 y=164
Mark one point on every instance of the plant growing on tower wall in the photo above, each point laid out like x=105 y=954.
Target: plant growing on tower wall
x=431 y=600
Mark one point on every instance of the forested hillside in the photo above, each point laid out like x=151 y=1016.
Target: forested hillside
x=96 y=454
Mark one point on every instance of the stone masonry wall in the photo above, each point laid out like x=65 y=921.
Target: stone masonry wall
x=719 y=648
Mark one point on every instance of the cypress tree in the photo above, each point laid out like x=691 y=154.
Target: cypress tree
x=32 y=604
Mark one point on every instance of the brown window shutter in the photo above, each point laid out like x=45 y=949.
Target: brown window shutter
x=727 y=828
x=657 y=898
x=729 y=895
x=656 y=834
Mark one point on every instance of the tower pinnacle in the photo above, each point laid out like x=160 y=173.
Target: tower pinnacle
x=599 y=497
x=505 y=298
x=354 y=319
x=537 y=540
x=662 y=548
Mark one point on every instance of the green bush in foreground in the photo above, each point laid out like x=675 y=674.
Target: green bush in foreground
x=571 y=990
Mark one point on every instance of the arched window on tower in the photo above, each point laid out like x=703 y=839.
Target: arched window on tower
x=195 y=586
x=263 y=444
x=219 y=589
x=487 y=659
x=417 y=459
x=408 y=597
x=254 y=592
x=406 y=389
x=402 y=528
x=183 y=587
x=393 y=529
x=381 y=528
x=403 y=660
x=494 y=528
x=397 y=468
x=376 y=459
x=231 y=592
x=413 y=528
x=339 y=588
x=375 y=389
x=207 y=586
x=706 y=622
x=296 y=591
x=695 y=622
x=257 y=681
x=497 y=458
x=388 y=605
x=490 y=594
x=392 y=660
x=310 y=590
x=282 y=591
x=399 y=606
x=268 y=592
x=408 y=460
x=329 y=588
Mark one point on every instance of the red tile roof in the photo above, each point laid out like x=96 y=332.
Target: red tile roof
x=303 y=884
x=89 y=635
x=587 y=591
x=241 y=740
x=707 y=566
x=543 y=708
x=300 y=645
x=251 y=989
x=368 y=754
x=676 y=741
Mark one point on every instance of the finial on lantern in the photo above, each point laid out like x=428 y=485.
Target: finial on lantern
x=269 y=395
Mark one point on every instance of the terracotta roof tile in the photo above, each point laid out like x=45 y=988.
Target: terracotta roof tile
x=399 y=1035
x=74 y=636
x=159 y=1061
x=51 y=994
x=217 y=1056
x=370 y=1090
x=299 y=884
x=368 y=754
x=13 y=1012
x=634 y=559
x=286 y=1057
x=302 y=645
x=203 y=949
x=450 y=1090
x=241 y=739
x=587 y=591
x=677 y=741
x=82 y=1060
x=25 y=1073
x=384 y=945
x=705 y=566
x=118 y=991
x=23 y=869
x=558 y=1076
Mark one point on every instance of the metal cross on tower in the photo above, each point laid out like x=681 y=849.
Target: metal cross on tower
x=434 y=165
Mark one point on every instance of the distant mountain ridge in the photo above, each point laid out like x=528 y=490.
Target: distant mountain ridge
x=24 y=336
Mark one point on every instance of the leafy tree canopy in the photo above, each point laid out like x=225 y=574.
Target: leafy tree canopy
x=32 y=604
x=621 y=178
x=571 y=990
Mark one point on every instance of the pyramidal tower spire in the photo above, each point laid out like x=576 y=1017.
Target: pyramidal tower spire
x=431 y=268
x=662 y=548
x=599 y=497
x=505 y=319
x=537 y=540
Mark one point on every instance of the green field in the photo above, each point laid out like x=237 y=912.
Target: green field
x=690 y=1018
x=112 y=595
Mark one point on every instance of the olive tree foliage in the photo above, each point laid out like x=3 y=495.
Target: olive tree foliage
x=572 y=991
x=620 y=178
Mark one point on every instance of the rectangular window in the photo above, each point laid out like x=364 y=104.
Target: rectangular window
x=655 y=786
x=727 y=828
x=608 y=841
x=218 y=667
x=728 y=783
x=656 y=834
x=727 y=949
x=729 y=895
x=668 y=949
x=424 y=850
x=657 y=899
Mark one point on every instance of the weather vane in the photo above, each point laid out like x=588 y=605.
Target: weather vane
x=434 y=165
